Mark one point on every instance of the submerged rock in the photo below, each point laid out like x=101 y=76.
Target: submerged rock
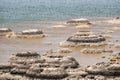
x=47 y=73
x=91 y=51
x=59 y=26
x=64 y=50
x=112 y=21
x=83 y=26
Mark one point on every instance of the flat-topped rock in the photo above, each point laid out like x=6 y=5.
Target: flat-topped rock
x=64 y=50
x=5 y=31
x=47 y=73
x=84 y=38
x=26 y=58
x=27 y=54
x=2 y=30
x=18 y=71
x=30 y=33
x=78 y=21
x=5 y=68
x=105 y=69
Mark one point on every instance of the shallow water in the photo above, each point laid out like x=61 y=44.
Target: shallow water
x=32 y=10
x=10 y=46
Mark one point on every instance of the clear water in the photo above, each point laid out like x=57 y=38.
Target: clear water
x=25 y=10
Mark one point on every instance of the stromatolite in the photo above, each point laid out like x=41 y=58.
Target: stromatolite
x=31 y=65
x=5 y=67
x=105 y=69
x=78 y=21
x=8 y=76
x=5 y=31
x=84 y=39
x=47 y=73
x=31 y=33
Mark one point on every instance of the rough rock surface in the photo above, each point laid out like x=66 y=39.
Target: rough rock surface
x=84 y=39
x=33 y=66
x=31 y=33
x=5 y=31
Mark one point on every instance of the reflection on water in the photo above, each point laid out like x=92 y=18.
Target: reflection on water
x=10 y=46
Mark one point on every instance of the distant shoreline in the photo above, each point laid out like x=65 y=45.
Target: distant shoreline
x=90 y=18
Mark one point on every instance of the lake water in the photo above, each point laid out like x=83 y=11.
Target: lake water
x=32 y=10
x=43 y=14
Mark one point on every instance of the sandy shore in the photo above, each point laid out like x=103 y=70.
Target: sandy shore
x=57 y=31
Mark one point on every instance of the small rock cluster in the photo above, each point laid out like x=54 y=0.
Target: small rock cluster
x=64 y=50
x=115 y=58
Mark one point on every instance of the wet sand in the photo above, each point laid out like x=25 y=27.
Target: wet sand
x=10 y=46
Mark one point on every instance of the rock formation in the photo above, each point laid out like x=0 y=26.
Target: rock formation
x=33 y=66
x=78 y=21
x=5 y=31
x=31 y=33
x=84 y=39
